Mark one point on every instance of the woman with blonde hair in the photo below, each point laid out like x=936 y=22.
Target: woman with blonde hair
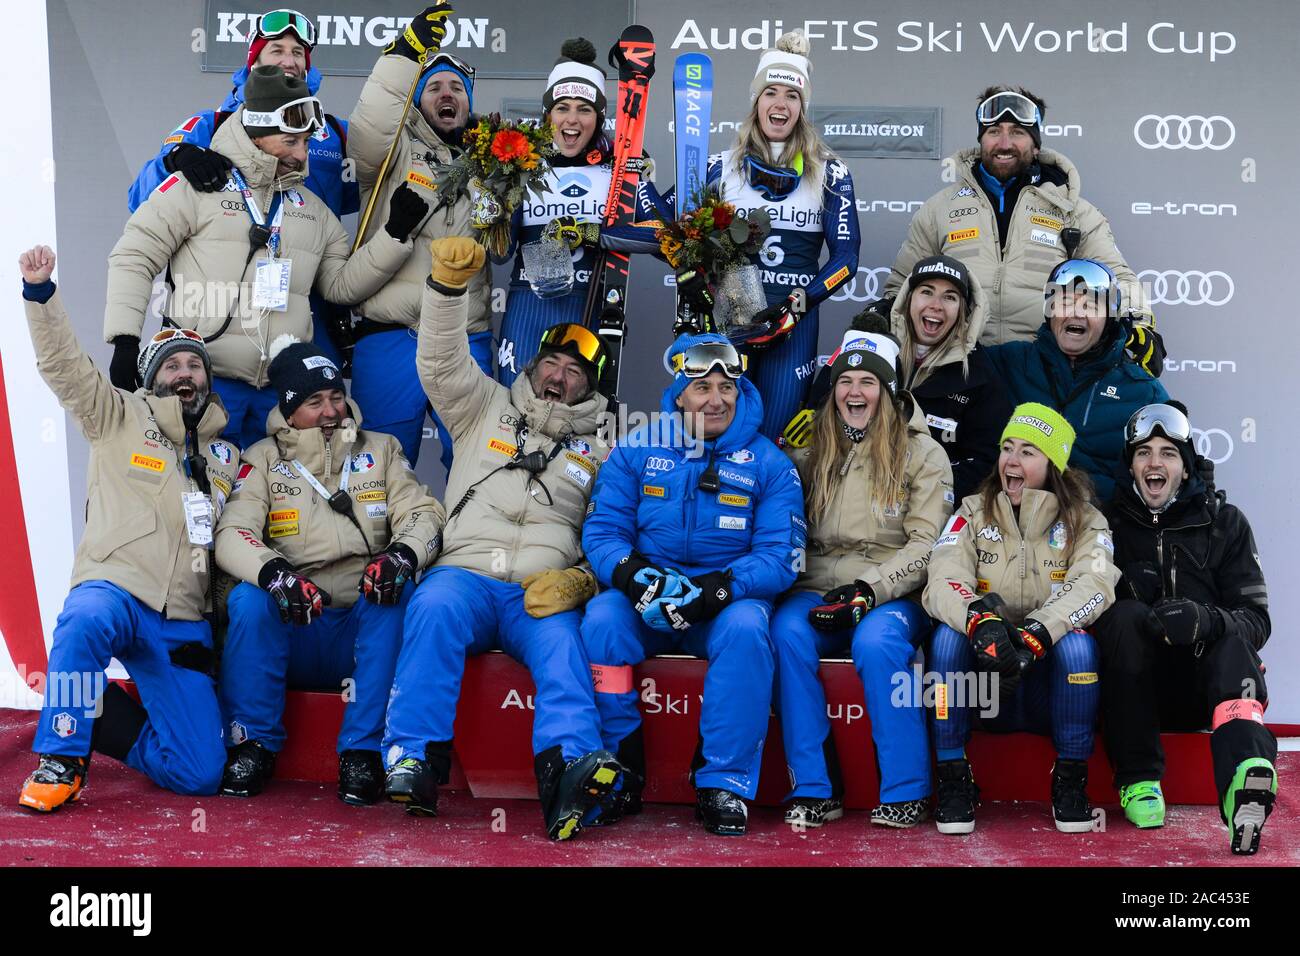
x=1020 y=569
x=780 y=164
x=877 y=490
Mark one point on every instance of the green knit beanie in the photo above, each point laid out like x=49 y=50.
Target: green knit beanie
x=1043 y=428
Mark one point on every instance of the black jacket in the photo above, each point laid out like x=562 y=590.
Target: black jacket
x=1205 y=551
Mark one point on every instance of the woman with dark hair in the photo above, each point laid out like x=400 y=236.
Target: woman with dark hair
x=1020 y=569
x=877 y=490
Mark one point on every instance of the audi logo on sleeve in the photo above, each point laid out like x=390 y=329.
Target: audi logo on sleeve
x=1171 y=287
x=1184 y=132
x=872 y=287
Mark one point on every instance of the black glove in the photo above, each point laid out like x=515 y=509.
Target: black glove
x=1032 y=642
x=869 y=319
x=405 y=211
x=991 y=639
x=423 y=38
x=1151 y=627
x=1186 y=622
x=643 y=582
x=124 y=369
x=769 y=327
x=1143 y=580
x=705 y=597
x=843 y=607
x=693 y=288
x=386 y=574
x=298 y=598
x=205 y=169
x=1146 y=348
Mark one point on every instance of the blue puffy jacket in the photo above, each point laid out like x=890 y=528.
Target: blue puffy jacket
x=1097 y=397
x=647 y=499
x=325 y=155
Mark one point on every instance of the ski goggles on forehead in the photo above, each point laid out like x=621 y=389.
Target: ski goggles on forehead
x=1018 y=107
x=1076 y=276
x=166 y=335
x=699 y=360
x=280 y=21
x=771 y=181
x=1172 y=423
x=580 y=339
x=451 y=60
x=297 y=116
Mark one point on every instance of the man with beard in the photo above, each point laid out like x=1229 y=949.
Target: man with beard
x=1014 y=214
x=159 y=477
x=384 y=379
x=242 y=262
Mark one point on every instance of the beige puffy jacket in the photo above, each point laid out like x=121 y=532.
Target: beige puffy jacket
x=275 y=512
x=890 y=551
x=510 y=526
x=419 y=152
x=135 y=533
x=960 y=221
x=1029 y=562
x=202 y=239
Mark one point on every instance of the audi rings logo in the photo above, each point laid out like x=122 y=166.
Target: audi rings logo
x=1187 y=288
x=1184 y=132
x=231 y=204
x=1213 y=443
x=869 y=290
x=659 y=464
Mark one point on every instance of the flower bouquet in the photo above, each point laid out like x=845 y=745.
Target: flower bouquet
x=714 y=240
x=501 y=160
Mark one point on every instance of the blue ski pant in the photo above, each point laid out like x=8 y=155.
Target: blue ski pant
x=264 y=656
x=180 y=745
x=247 y=408
x=526 y=318
x=456 y=613
x=737 y=687
x=884 y=645
x=1057 y=697
x=784 y=373
x=387 y=389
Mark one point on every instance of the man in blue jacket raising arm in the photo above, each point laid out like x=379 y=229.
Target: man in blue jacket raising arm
x=695 y=536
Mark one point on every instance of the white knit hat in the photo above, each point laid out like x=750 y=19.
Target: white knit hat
x=787 y=65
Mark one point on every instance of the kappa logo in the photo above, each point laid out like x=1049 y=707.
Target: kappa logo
x=990 y=533
x=64 y=724
x=836 y=171
x=284 y=468
x=964 y=192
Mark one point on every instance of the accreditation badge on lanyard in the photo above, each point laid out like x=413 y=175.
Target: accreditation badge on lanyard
x=270 y=276
x=200 y=516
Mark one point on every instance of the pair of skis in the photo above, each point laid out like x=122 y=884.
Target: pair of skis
x=634 y=57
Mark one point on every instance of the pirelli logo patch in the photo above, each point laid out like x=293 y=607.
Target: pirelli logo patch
x=654 y=491
x=420 y=180
x=502 y=447
x=981 y=586
x=837 y=277
x=738 y=501
x=373 y=496
x=283 y=517
x=1046 y=221
x=1087 y=677
x=961 y=235
x=149 y=464
x=940 y=701
x=173 y=139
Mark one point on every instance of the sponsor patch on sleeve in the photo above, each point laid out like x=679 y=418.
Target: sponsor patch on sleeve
x=962 y=235
x=981 y=586
x=377 y=511
x=654 y=491
x=577 y=474
x=732 y=522
x=1104 y=540
x=1046 y=221
x=1043 y=237
x=1085 y=677
x=284 y=530
x=373 y=496
x=168 y=183
x=951 y=531
x=175 y=138
x=420 y=180
x=837 y=277
x=737 y=501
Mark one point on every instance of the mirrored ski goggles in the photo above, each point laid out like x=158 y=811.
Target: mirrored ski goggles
x=773 y=182
x=279 y=21
x=166 y=335
x=1019 y=107
x=1088 y=276
x=580 y=339
x=699 y=360
x=451 y=60
x=297 y=116
x=1172 y=423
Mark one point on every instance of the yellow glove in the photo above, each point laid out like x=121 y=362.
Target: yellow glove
x=456 y=260
x=550 y=592
x=798 y=433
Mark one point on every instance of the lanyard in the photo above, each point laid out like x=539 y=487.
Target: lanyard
x=275 y=213
x=320 y=489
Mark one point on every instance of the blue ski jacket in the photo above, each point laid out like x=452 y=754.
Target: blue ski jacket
x=647 y=499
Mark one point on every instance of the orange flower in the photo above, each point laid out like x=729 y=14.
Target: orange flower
x=529 y=161
x=509 y=144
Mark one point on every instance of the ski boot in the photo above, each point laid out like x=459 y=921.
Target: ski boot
x=1070 y=807
x=248 y=767
x=578 y=793
x=721 y=811
x=56 y=780
x=1248 y=803
x=361 y=777
x=1143 y=803
x=956 y=798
